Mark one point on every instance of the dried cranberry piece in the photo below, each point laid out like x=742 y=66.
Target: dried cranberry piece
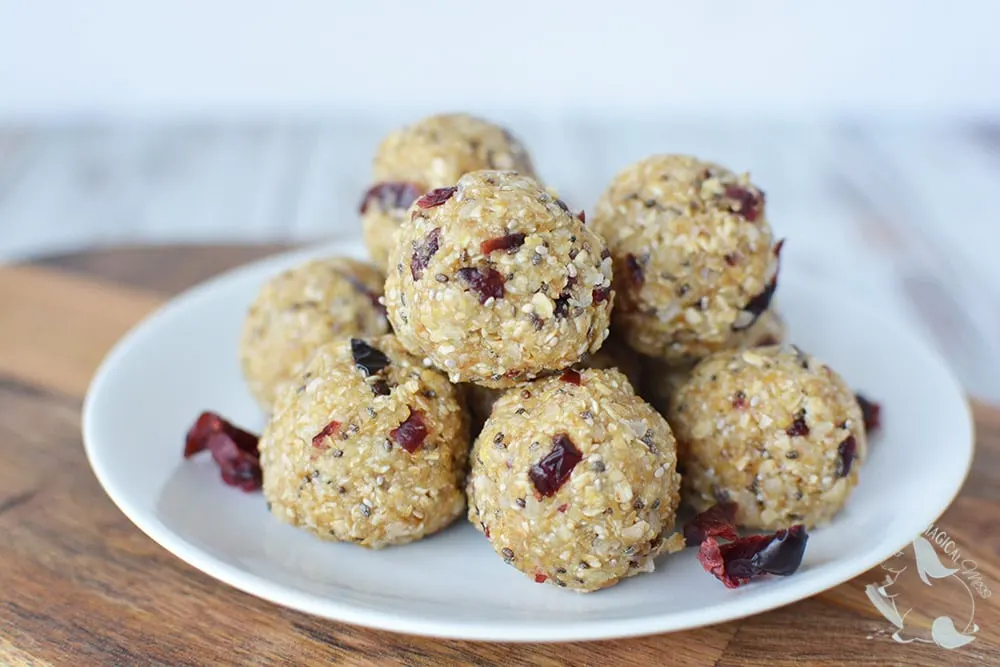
x=717 y=521
x=541 y=578
x=758 y=304
x=600 y=294
x=549 y=474
x=411 y=433
x=436 y=197
x=562 y=508
x=210 y=423
x=582 y=217
x=798 y=426
x=749 y=202
x=487 y=283
x=390 y=195
x=571 y=376
x=847 y=450
x=871 y=413
x=782 y=556
x=368 y=359
x=329 y=430
x=635 y=272
x=233 y=450
x=736 y=563
x=423 y=251
x=506 y=242
x=236 y=467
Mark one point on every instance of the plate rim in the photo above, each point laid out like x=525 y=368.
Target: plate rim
x=509 y=631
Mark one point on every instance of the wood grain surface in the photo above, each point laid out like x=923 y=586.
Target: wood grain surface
x=83 y=586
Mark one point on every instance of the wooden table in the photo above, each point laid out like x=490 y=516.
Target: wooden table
x=82 y=586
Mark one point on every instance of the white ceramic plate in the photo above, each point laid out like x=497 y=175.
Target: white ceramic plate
x=182 y=360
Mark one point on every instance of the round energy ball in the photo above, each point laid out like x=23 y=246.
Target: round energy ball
x=432 y=153
x=574 y=480
x=613 y=354
x=772 y=429
x=297 y=311
x=495 y=282
x=693 y=256
x=662 y=379
x=369 y=446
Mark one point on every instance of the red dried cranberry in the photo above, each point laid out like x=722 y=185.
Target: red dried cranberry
x=233 y=450
x=562 y=508
x=635 y=272
x=549 y=474
x=506 y=242
x=411 y=433
x=210 y=423
x=736 y=563
x=329 y=430
x=871 y=412
x=236 y=467
x=541 y=578
x=571 y=376
x=368 y=359
x=582 y=217
x=717 y=521
x=436 y=197
x=487 y=283
x=423 y=251
x=486 y=529
x=749 y=202
x=758 y=304
x=740 y=400
x=847 y=450
x=600 y=294
x=390 y=195
x=799 y=427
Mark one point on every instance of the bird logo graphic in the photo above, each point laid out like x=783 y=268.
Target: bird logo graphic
x=944 y=616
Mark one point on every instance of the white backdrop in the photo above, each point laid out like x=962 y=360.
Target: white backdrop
x=590 y=57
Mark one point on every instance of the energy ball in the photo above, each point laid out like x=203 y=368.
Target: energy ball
x=613 y=354
x=297 y=311
x=662 y=379
x=433 y=153
x=693 y=256
x=574 y=480
x=495 y=282
x=369 y=446
x=772 y=429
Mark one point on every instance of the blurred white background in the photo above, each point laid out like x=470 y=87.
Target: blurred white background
x=742 y=59
x=874 y=127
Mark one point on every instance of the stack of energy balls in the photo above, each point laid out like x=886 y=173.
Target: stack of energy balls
x=504 y=317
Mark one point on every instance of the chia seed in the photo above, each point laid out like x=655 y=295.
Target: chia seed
x=336 y=453
x=520 y=502
x=508 y=554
